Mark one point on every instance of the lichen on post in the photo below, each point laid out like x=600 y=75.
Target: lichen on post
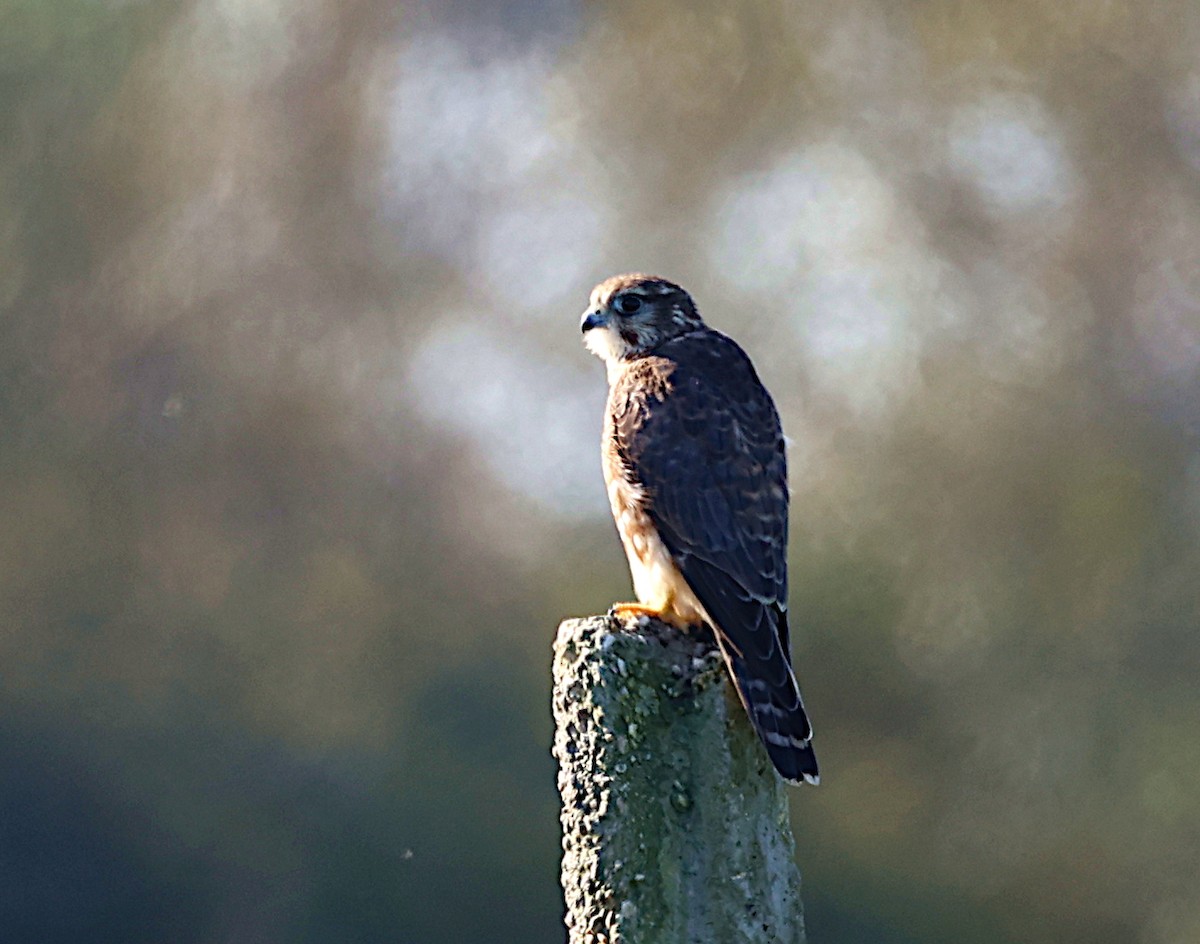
x=675 y=825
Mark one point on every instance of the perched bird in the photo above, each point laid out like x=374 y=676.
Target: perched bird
x=694 y=462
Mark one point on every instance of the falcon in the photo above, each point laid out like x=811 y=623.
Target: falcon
x=696 y=472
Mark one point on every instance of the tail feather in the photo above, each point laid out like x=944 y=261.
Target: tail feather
x=753 y=635
x=777 y=713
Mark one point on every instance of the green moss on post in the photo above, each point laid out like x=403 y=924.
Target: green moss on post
x=675 y=826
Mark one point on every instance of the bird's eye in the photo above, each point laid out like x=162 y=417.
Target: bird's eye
x=628 y=304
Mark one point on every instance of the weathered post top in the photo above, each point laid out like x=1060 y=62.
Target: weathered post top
x=675 y=825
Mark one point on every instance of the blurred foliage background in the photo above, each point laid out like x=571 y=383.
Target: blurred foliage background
x=299 y=466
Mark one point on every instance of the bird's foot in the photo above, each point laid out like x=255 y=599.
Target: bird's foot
x=636 y=611
x=639 y=611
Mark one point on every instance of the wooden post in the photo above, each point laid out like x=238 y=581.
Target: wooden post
x=675 y=825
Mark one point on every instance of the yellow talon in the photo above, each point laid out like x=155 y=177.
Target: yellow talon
x=621 y=611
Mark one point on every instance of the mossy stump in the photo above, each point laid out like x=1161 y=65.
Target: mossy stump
x=675 y=825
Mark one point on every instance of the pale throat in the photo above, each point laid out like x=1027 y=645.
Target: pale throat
x=606 y=343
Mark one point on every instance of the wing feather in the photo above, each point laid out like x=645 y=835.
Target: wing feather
x=706 y=444
x=699 y=433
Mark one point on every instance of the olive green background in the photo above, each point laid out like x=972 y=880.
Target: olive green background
x=299 y=466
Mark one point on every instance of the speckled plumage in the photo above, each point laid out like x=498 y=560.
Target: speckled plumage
x=694 y=461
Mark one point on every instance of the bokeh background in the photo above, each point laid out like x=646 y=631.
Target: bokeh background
x=299 y=467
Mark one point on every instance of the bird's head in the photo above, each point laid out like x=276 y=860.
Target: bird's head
x=631 y=315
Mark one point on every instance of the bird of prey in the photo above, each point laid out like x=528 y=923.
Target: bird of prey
x=694 y=463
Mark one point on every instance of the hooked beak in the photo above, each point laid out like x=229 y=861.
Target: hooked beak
x=592 y=319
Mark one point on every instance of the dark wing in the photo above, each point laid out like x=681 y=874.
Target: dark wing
x=700 y=433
